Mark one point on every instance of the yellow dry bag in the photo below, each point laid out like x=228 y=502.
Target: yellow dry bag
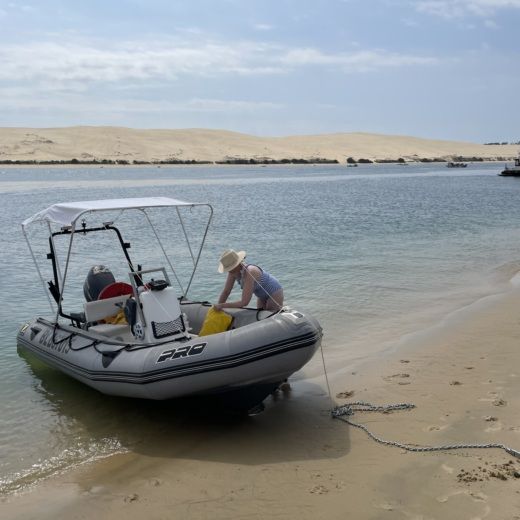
x=215 y=322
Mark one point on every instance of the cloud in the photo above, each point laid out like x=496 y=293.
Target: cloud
x=263 y=27
x=491 y=24
x=77 y=64
x=218 y=105
x=354 y=61
x=61 y=62
x=460 y=8
x=14 y=98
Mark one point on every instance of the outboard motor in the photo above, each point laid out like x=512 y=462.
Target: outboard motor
x=98 y=277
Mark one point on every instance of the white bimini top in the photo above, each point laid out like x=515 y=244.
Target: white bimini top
x=67 y=213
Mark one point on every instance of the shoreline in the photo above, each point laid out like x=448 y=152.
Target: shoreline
x=461 y=373
x=216 y=164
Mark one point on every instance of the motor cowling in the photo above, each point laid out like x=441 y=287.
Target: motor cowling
x=98 y=277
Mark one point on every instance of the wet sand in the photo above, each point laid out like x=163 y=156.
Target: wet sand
x=294 y=461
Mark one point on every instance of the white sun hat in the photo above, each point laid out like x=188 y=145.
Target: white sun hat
x=229 y=259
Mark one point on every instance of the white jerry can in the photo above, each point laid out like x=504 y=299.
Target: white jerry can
x=162 y=315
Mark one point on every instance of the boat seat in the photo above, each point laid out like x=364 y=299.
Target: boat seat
x=107 y=329
x=241 y=318
x=101 y=309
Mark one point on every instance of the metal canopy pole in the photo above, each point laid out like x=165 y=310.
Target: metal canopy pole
x=163 y=250
x=37 y=267
x=200 y=249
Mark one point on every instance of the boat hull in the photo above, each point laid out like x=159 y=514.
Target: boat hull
x=510 y=172
x=253 y=359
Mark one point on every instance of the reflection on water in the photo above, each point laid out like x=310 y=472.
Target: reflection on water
x=373 y=255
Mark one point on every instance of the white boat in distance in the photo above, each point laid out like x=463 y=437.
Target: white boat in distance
x=155 y=352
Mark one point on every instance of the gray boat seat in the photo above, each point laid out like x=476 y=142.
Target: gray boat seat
x=100 y=309
x=107 y=329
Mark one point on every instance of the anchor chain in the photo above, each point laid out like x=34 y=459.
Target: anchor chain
x=345 y=411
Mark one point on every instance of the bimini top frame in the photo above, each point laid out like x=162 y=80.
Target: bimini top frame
x=67 y=215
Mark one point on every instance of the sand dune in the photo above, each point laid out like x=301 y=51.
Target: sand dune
x=126 y=144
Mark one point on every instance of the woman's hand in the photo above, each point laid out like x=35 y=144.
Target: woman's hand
x=218 y=306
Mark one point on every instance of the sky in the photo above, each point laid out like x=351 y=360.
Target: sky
x=437 y=69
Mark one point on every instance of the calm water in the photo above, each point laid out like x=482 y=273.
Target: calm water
x=374 y=253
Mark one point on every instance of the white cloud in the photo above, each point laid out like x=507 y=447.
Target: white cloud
x=459 y=8
x=491 y=24
x=25 y=99
x=263 y=27
x=132 y=60
x=354 y=61
x=76 y=65
x=219 y=105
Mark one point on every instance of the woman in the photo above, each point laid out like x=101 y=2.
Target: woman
x=252 y=279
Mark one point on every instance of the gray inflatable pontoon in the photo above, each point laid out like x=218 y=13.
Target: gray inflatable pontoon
x=154 y=351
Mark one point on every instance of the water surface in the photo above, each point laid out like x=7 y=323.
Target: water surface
x=374 y=253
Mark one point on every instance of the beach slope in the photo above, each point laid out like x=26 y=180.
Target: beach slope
x=294 y=461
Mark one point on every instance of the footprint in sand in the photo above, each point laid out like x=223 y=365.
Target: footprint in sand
x=345 y=395
x=386 y=506
x=95 y=490
x=393 y=377
x=318 y=490
x=496 y=426
x=477 y=497
x=435 y=428
x=447 y=469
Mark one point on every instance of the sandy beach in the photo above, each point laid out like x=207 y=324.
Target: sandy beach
x=85 y=143
x=294 y=461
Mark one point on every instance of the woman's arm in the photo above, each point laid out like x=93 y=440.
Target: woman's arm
x=224 y=295
x=247 y=292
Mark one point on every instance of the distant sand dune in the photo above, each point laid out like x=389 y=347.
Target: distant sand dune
x=111 y=143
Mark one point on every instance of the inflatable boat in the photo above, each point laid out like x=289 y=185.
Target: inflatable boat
x=140 y=337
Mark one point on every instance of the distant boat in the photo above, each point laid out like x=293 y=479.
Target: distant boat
x=352 y=165
x=512 y=172
x=456 y=165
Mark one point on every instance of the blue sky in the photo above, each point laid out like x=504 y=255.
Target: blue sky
x=429 y=68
